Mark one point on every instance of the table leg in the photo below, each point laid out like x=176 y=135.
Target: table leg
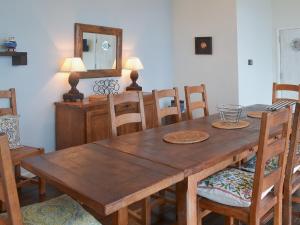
x=186 y=192
x=121 y=217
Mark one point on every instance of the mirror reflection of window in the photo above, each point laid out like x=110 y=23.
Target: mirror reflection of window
x=105 y=51
x=89 y=55
x=99 y=51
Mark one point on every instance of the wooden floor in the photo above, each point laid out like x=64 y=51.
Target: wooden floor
x=29 y=195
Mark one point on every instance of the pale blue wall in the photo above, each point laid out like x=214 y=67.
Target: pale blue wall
x=44 y=29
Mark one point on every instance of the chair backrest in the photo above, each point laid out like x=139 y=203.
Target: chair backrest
x=273 y=142
x=127 y=118
x=194 y=105
x=8 y=187
x=166 y=111
x=294 y=154
x=284 y=87
x=11 y=96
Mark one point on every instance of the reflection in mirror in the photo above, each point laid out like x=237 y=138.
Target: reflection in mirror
x=99 y=51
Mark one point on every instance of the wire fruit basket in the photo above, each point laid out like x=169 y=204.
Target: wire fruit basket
x=230 y=113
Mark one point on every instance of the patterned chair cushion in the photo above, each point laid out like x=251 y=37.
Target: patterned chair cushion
x=9 y=124
x=271 y=165
x=58 y=211
x=231 y=187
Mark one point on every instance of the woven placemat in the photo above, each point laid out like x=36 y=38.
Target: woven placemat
x=257 y=114
x=186 y=137
x=230 y=126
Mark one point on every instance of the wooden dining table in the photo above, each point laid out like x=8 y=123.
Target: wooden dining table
x=197 y=161
x=103 y=180
x=111 y=174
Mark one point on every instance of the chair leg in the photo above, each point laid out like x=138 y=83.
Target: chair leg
x=146 y=212
x=42 y=188
x=278 y=213
x=287 y=208
x=162 y=193
x=18 y=173
x=199 y=216
x=2 y=207
x=229 y=220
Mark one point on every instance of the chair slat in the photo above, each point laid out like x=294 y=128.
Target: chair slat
x=127 y=97
x=166 y=93
x=275 y=149
x=197 y=105
x=5 y=94
x=271 y=179
x=6 y=111
x=128 y=118
x=168 y=111
x=196 y=89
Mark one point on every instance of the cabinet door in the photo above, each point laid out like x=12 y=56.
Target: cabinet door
x=97 y=126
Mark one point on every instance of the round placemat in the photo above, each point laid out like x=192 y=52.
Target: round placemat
x=186 y=137
x=230 y=126
x=257 y=114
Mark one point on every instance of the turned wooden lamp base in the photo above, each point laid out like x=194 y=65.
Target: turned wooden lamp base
x=134 y=86
x=73 y=95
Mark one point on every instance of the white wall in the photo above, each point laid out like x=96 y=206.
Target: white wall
x=45 y=30
x=254 y=22
x=216 y=18
x=285 y=15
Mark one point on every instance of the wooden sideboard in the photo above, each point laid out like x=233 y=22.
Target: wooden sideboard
x=83 y=122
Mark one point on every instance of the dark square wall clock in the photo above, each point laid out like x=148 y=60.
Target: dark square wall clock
x=203 y=45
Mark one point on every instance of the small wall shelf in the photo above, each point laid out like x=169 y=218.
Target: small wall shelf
x=18 y=58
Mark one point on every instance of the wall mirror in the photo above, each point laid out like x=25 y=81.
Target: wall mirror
x=100 y=49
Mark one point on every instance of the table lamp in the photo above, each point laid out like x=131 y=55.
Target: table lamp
x=134 y=64
x=73 y=66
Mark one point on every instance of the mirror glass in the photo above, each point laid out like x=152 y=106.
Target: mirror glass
x=99 y=51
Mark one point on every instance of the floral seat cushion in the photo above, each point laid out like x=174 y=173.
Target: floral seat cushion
x=58 y=211
x=231 y=187
x=9 y=124
x=271 y=164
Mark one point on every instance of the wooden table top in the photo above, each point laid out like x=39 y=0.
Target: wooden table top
x=191 y=158
x=102 y=179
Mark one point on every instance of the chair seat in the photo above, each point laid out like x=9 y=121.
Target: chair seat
x=230 y=187
x=24 y=152
x=58 y=211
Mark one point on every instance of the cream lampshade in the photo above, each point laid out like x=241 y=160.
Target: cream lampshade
x=134 y=64
x=73 y=66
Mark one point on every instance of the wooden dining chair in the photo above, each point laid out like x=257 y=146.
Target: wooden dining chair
x=246 y=196
x=166 y=111
x=284 y=87
x=292 y=177
x=194 y=105
x=21 y=152
x=143 y=214
x=126 y=118
x=61 y=210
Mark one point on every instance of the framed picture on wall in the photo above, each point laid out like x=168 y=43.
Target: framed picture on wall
x=203 y=45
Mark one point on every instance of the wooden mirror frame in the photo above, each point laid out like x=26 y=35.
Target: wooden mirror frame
x=78 y=49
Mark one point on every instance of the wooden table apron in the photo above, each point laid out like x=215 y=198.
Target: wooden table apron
x=197 y=161
x=104 y=180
